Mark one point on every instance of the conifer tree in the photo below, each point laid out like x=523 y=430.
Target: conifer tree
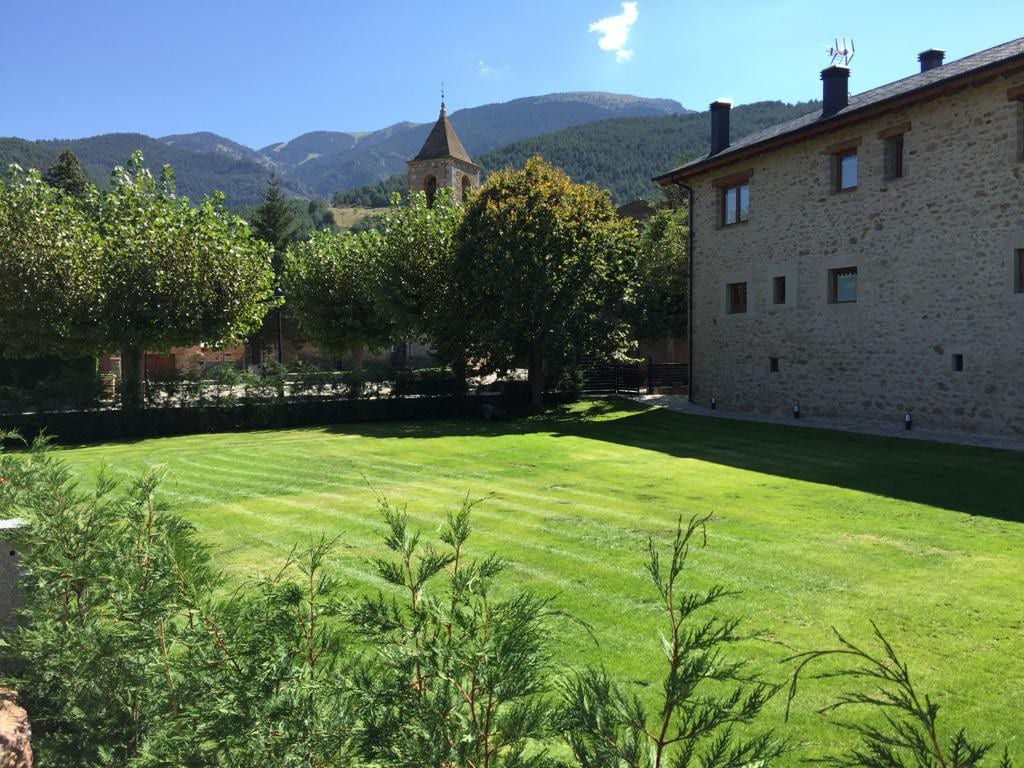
x=273 y=222
x=67 y=174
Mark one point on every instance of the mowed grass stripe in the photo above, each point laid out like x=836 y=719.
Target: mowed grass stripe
x=813 y=529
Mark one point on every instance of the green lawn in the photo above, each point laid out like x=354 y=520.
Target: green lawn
x=813 y=528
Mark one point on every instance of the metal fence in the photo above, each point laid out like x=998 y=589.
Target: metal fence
x=604 y=377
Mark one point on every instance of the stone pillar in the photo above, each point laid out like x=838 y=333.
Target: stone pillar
x=10 y=597
x=15 y=733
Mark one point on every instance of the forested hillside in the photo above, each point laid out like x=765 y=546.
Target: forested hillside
x=197 y=173
x=620 y=155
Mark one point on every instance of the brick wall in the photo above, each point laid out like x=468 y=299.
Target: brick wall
x=934 y=253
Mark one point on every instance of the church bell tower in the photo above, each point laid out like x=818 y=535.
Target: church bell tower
x=443 y=162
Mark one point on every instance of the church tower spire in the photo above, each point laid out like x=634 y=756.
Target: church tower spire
x=442 y=162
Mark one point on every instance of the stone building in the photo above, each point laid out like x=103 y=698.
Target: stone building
x=866 y=261
x=442 y=162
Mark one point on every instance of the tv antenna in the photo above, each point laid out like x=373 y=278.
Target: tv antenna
x=842 y=52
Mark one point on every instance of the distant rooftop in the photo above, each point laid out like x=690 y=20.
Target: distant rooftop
x=964 y=67
x=443 y=142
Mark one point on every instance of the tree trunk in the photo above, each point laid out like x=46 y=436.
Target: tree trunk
x=358 y=351
x=133 y=374
x=536 y=376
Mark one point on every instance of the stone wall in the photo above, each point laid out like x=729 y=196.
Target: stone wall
x=934 y=252
x=448 y=171
x=10 y=598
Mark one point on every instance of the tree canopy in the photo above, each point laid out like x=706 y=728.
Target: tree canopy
x=51 y=260
x=543 y=267
x=332 y=284
x=418 y=271
x=136 y=269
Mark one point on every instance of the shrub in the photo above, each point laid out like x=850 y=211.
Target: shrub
x=459 y=677
x=909 y=736
x=705 y=695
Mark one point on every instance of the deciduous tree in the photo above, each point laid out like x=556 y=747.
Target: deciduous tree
x=543 y=267
x=332 y=282
x=50 y=265
x=418 y=281
x=174 y=274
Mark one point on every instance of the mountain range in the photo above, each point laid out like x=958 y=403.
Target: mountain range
x=322 y=163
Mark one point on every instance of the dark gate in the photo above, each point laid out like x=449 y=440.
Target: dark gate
x=607 y=377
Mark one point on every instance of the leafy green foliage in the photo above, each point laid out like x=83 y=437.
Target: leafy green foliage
x=174 y=274
x=51 y=267
x=659 y=305
x=909 y=736
x=418 y=280
x=542 y=268
x=459 y=675
x=129 y=656
x=332 y=282
x=705 y=699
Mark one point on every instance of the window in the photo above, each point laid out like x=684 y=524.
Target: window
x=735 y=204
x=842 y=285
x=957 y=361
x=1018 y=271
x=737 y=298
x=773 y=365
x=779 y=290
x=430 y=187
x=893 y=157
x=846 y=170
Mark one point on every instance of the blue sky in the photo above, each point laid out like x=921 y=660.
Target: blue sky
x=260 y=72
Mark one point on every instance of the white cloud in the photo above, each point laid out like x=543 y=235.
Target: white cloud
x=485 y=70
x=614 y=31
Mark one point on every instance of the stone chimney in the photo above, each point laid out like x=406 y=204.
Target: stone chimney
x=931 y=58
x=835 y=89
x=720 y=125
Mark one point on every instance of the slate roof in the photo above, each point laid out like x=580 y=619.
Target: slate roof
x=921 y=81
x=443 y=142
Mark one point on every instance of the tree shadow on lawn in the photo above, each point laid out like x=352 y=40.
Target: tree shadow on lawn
x=978 y=481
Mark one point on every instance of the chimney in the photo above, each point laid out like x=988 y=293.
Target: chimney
x=835 y=89
x=931 y=58
x=720 y=125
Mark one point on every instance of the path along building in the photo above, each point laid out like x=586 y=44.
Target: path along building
x=866 y=261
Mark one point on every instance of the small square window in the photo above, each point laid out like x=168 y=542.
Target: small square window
x=779 y=290
x=842 y=285
x=846 y=171
x=773 y=365
x=894 y=157
x=737 y=298
x=735 y=204
x=1018 y=271
x=957 y=361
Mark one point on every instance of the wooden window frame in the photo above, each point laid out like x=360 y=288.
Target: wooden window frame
x=733 y=307
x=733 y=182
x=741 y=216
x=838 y=159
